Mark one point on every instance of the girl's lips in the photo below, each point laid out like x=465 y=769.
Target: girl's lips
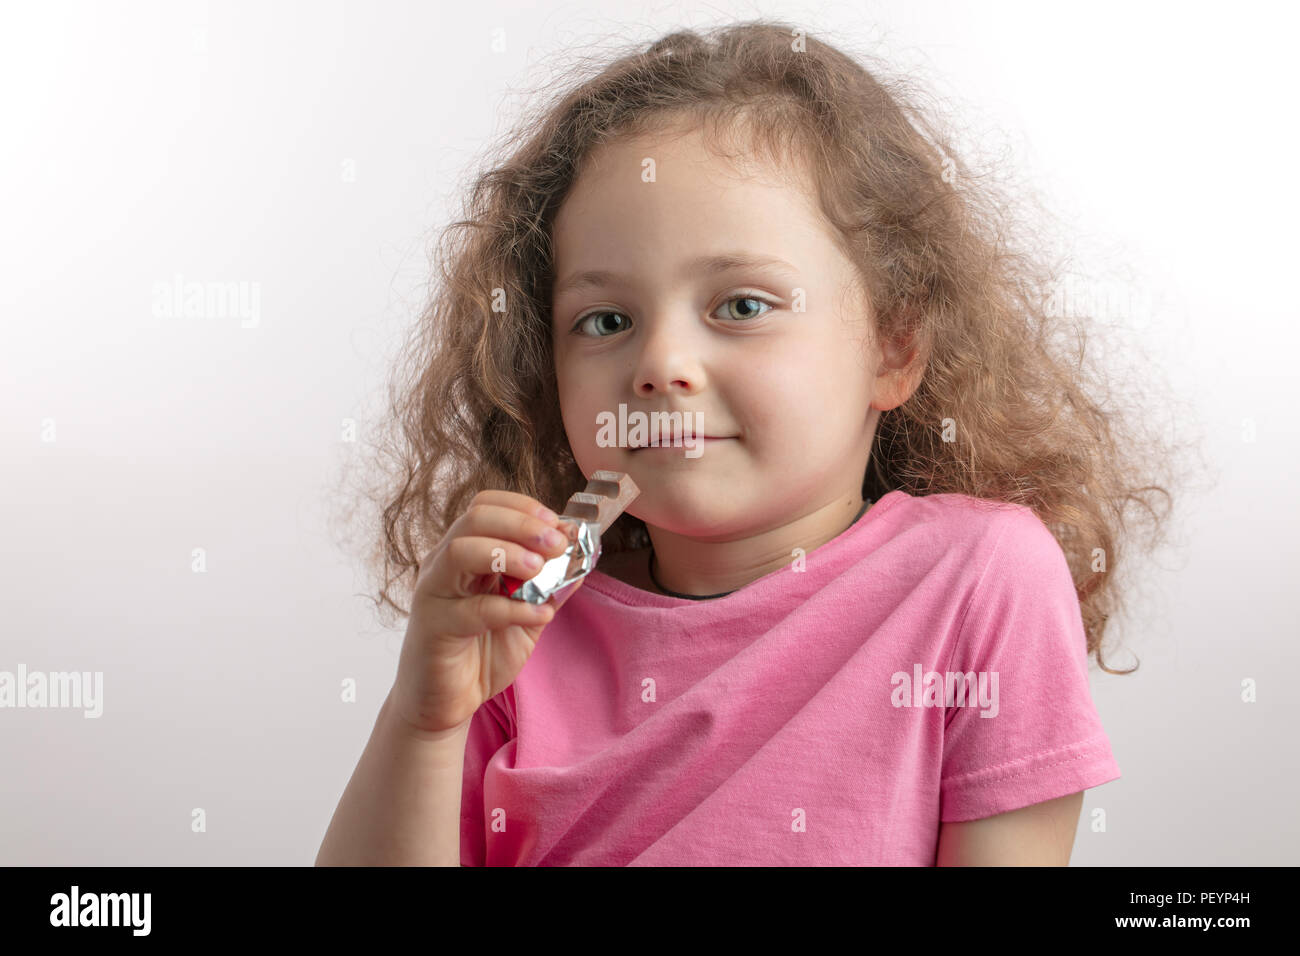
x=707 y=439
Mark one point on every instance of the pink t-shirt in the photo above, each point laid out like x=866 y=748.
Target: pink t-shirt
x=784 y=724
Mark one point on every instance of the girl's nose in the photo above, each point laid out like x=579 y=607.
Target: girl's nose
x=669 y=362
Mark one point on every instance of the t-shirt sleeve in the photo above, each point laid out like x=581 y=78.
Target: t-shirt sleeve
x=489 y=731
x=1023 y=629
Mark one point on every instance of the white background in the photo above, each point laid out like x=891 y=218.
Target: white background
x=139 y=141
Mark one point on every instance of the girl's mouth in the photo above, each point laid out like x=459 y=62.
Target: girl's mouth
x=685 y=443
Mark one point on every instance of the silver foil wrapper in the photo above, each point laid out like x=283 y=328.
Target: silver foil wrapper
x=587 y=515
x=560 y=575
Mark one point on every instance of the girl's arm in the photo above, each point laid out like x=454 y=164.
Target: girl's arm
x=1038 y=835
x=402 y=805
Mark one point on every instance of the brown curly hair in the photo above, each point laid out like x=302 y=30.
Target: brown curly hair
x=1005 y=410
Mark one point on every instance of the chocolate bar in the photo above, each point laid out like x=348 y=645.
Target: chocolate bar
x=588 y=514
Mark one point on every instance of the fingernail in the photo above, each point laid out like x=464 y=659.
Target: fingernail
x=533 y=560
x=546 y=514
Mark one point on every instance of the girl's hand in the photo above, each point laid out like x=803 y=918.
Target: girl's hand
x=464 y=642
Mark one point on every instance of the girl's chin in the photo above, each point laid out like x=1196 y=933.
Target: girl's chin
x=690 y=516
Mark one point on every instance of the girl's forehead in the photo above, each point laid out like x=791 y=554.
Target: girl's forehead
x=702 y=199
x=735 y=151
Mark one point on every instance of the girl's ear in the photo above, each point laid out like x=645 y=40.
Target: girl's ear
x=902 y=365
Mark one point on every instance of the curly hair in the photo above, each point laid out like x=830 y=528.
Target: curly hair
x=1006 y=409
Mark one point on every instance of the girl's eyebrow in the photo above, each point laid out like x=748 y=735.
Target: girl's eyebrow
x=709 y=265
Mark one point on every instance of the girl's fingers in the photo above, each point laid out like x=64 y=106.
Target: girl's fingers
x=497 y=521
x=458 y=571
x=514 y=500
x=473 y=615
x=502 y=532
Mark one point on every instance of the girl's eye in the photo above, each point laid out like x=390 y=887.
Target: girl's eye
x=750 y=312
x=597 y=315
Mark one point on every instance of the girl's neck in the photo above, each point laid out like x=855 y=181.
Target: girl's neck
x=696 y=568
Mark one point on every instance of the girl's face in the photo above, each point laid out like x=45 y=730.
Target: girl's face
x=769 y=357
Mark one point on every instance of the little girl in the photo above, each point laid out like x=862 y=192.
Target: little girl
x=848 y=619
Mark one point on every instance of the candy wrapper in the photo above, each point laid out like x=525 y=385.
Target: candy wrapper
x=588 y=514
